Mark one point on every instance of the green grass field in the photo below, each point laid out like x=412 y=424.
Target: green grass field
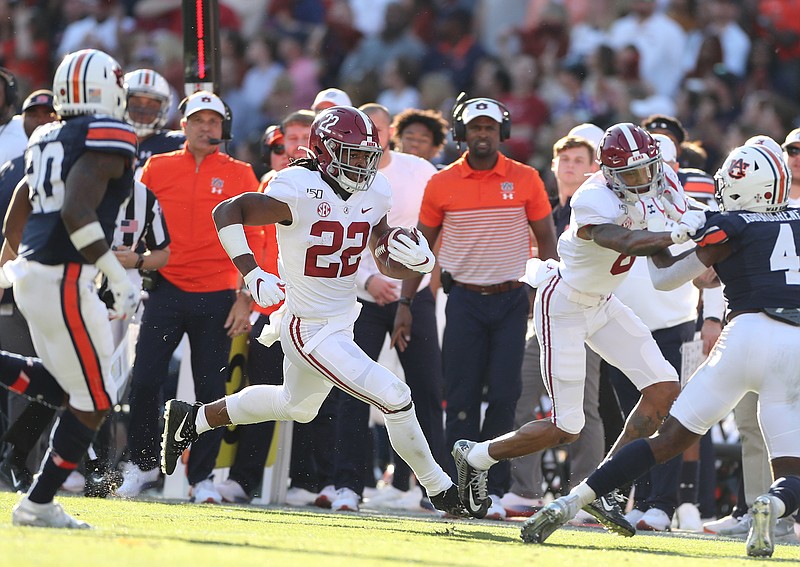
x=159 y=534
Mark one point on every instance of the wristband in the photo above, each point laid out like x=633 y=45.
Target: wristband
x=110 y=266
x=405 y=301
x=234 y=240
x=139 y=262
x=366 y=283
x=87 y=234
x=714 y=319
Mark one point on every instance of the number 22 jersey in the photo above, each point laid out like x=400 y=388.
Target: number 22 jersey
x=320 y=251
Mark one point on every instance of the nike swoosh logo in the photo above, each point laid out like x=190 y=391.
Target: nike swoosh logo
x=178 y=436
x=472 y=504
x=364 y=211
x=607 y=507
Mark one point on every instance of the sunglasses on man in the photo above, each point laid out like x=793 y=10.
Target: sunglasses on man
x=792 y=151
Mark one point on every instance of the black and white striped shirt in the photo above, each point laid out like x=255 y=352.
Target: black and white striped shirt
x=141 y=221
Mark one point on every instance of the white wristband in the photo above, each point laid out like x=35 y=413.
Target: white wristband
x=87 y=234
x=110 y=266
x=234 y=240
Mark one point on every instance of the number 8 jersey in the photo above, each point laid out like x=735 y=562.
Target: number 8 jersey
x=319 y=252
x=53 y=149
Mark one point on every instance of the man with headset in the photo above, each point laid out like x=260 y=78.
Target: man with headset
x=12 y=133
x=484 y=206
x=196 y=293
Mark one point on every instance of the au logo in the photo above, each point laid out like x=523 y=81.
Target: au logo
x=216 y=185
x=507 y=190
x=738 y=169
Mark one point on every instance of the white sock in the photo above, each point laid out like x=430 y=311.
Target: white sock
x=778 y=505
x=200 y=422
x=585 y=494
x=407 y=438
x=479 y=457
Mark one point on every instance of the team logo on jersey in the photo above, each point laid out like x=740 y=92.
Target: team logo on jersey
x=507 y=190
x=324 y=209
x=216 y=185
x=314 y=193
x=738 y=168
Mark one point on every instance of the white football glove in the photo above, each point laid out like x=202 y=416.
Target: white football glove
x=263 y=287
x=689 y=223
x=674 y=202
x=414 y=256
x=126 y=298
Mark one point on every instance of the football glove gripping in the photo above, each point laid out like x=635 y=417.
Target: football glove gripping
x=126 y=298
x=690 y=223
x=675 y=205
x=264 y=287
x=415 y=256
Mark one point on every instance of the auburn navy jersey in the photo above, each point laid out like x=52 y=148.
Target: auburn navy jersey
x=161 y=142
x=764 y=268
x=52 y=151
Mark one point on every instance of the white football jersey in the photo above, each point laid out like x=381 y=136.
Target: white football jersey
x=320 y=251
x=589 y=267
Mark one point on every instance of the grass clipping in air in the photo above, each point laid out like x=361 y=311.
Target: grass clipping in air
x=155 y=534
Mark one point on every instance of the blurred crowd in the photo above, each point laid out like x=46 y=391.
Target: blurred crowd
x=728 y=69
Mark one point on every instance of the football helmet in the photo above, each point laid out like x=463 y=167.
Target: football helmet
x=89 y=82
x=345 y=144
x=147 y=83
x=630 y=160
x=752 y=178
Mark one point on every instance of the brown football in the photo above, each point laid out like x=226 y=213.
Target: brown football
x=382 y=247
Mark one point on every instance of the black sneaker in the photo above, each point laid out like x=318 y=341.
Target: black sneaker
x=608 y=511
x=100 y=481
x=179 y=432
x=17 y=478
x=449 y=503
x=471 y=481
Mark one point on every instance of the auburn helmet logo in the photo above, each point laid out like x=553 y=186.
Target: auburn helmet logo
x=738 y=168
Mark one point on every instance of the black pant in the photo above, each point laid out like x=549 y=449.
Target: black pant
x=171 y=312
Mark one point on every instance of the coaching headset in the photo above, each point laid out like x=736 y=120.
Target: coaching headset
x=9 y=86
x=227 y=121
x=460 y=129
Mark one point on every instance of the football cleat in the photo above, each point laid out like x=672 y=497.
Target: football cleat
x=18 y=478
x=543 y=523
x=760 y=540
x=472 y=487
x=179 y=432
x=50 y=515
x=448 y=501
x=608 y=512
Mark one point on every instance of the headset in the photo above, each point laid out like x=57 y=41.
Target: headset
x=10 y=86
x=460 y=129
x=227 y=121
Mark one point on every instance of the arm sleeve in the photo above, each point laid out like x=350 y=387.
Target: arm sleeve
x=672 y=277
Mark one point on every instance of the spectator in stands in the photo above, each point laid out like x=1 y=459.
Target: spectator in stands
x=422 y=133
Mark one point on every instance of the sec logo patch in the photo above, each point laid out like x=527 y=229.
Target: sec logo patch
x=323 y=209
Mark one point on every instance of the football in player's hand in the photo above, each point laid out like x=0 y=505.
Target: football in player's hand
x=382 y=247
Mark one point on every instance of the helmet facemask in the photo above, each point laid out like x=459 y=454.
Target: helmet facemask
x=341 y=164
x=638 y=181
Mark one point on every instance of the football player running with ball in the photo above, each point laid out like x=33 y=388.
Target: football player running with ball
x=752 y=245
x=327 y=209
x=619 y=212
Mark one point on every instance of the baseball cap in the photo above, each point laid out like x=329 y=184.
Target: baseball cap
x=792 y=137
x=42 y=97
x=482 y=107
x=330 y=97
x=203 y=100
x=667 y=147
x=588 y=132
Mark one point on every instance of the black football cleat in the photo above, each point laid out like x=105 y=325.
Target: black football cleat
x=179 y=432
x=472 y=482
x=449 y=503
x=608 y=511
x=17 y=478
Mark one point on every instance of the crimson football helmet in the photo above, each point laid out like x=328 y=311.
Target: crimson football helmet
x=753 y=178
x=88 y=82
x=630 y=160
x=148 y=83
x=345 y=143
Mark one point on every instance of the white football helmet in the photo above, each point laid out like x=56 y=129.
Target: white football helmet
x=753 y=178
x=89 y=82
x=765 y=142
x=148 y=83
